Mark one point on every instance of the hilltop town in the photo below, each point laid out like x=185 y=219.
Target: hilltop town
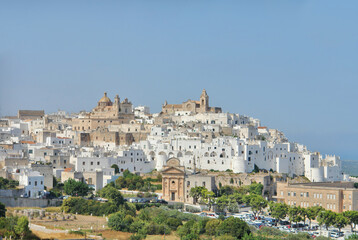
x=190 y=153
x=36 y=147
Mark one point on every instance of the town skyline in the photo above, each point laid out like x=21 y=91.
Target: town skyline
x=296 y=75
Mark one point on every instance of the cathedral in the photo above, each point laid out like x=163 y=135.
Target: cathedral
x=104 y=114
x=201 y=106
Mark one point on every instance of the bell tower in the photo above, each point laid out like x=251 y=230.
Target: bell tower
x=204 y=101
x=117 y=105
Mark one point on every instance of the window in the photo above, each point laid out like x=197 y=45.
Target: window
x=83 y=163
x=64 y=161
x=294 y=194
x=29 y=183
x=307 y=194
x=91 y=163
x=203 y=184
x=35 y=183
x=301 y=194
x=97 y=163
x=42 y=183
x=288 y=193
x=281 y=193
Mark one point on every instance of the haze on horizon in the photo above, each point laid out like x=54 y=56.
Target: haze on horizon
x=292 y=64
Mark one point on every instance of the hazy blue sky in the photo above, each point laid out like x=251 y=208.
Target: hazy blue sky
x=292 y=64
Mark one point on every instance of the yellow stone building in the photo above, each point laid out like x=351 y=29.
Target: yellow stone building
x=177 y=183
x=104 y=114
x=201 y=106
x=335 y=196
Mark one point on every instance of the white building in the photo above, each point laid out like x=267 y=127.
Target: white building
x=33 y=183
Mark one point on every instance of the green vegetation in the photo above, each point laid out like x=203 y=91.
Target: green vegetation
x=149 y=221
x=16 y=228
x=352 y=217
x=116 y=168
x=76 y=188
x=278 y=210
x=134 y=182
x=8 y=184
x=57 y=189
x=2 y=210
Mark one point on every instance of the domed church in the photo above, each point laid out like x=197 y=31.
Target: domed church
x=104 y=114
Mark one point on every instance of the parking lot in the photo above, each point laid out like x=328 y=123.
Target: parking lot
x=260 y=221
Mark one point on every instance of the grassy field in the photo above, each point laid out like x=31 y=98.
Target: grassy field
x=82 y=222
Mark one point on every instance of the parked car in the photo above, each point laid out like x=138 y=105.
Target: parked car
x=212 y=215
x=162 y=201
x=336 y=234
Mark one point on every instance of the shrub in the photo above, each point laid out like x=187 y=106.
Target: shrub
x=226 y=237
x=117 y=221
x=192 y=209
x=234 y=227
x=212 y=226
x=156 y=229
x=173 y=223
x=178 y=205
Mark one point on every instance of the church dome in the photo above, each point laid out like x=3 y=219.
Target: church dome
x=105 y=101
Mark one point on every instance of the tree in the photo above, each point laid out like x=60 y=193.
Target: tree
x=340 y=221
x=352 y=217
x=211 y=227
x=173 y=223
x=227 y=190
x=2 y=210
x=312 y=212
x=208 y=197
x=76 y=188
x=196 y=193
x=352 y=237
x=116 y=221
x=112 y=193
x=8 y=184
x=116 y=168
x=234 y=227
x=327 y=218
x=22 y=226
x=257 y=203
x=303 y=214
x=256 y=169
x=278 y=210
x=256 y=188
x=222 y=202
x=186 y=231
x=294 y=214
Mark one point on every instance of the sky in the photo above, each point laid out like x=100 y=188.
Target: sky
x=292 y=64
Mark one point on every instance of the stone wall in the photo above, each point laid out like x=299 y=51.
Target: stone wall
x=30 y=202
